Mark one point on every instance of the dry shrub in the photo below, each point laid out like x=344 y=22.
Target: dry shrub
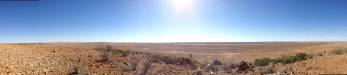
x=76 y=71
x=104 y=57
x=143 y=67
x=230 y=68
x=244 y=67
x=216 y=62
x=180 y=61
x=320 y=54
x=144 y=64
x=121 y=52
x=107 y=51
x=157 y=58
x=153 y=58
x=338 y=51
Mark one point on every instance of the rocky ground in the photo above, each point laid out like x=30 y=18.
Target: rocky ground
x=334 y=64
x=31 y=59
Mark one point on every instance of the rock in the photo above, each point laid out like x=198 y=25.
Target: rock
x=212 y=68
x=197 y=72
x=265 y=70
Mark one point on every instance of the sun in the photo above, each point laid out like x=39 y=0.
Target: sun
x=183 y=7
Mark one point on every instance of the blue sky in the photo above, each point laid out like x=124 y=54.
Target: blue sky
x=173 y=20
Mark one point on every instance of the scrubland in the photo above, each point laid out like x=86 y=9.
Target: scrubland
x=174 y=58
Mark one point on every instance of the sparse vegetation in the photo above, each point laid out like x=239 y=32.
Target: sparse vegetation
x=339 y=51
x=217 y=62
x=107 y=51
x=244 y=66
x=144 y=67
x=177 y=61
x=320 y=54
x=262 y=61
x=104 y=57
x=75 y=71
x=301 y=56
x=121 y=52
x=119 y=61
x=285 y=59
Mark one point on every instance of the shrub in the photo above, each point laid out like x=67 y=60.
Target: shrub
x=338 y=51
x=177 y=61
x=184 y=61
x=143 y=67
x=292 y=59
x=288 y=59
x=106 y=52
x=262 y=61
x=216 y=62
x=243 y=67
x=301 y=56
x=120 y=52
x=230 y=67
x=283 y=59
x=76 y=71
x=320 y=54
x=309 y=56
x=104 y=57
x=154 y=58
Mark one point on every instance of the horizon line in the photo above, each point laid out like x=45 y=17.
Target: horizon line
x=162 y=42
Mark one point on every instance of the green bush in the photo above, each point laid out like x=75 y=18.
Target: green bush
x=287 y=59
x=262 y=61
x=283 y=59
x=301 y=56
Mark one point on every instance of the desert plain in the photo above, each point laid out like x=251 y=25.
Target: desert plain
x=199 y=58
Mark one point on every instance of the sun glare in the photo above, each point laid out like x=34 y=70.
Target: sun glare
x=183 y=7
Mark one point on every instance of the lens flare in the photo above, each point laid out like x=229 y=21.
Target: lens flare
x=183 y=7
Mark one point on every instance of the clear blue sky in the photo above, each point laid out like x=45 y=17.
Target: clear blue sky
x=173 y=20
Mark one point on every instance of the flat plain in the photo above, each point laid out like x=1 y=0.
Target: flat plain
x=167 y=58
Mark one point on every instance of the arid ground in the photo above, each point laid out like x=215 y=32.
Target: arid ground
x=171 y=58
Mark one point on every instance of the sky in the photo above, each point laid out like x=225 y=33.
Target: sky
x=173 y=20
